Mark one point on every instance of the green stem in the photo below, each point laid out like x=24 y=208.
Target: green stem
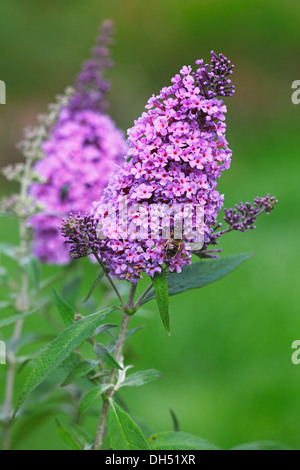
x=113 y=373
x=110 y=280
x=22 y=305
x=140 y=300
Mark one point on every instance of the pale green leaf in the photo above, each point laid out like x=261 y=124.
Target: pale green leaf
x=142 y=377
x=179 y=441
x=262 y=445
x=19 y=316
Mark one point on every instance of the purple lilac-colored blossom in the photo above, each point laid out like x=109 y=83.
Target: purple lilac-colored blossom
x=240 y=218
x=80 y=154
x=177 y=151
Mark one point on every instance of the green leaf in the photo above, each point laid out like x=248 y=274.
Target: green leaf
x=133 y=331
x=7 y=215
x=9 y=250
x=95 y=284
x=67 y=437
x=103 y=354
x=262 y=445
x=105 y=327
x=81 y=369
x=5 y=304
x=176 y=425
x=201 y=273
x=31 y=266
x=90 y=398
x=66 y=312
x=67 y=341
x=123 y=432
x=179 y=441
x=19 y=316
x=71 y=287
x=160 y=285
x=142 y=377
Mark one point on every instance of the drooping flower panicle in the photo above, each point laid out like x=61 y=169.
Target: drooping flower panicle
x=80 y=154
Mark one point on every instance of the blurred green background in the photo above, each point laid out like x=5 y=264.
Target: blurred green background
x=228 y=371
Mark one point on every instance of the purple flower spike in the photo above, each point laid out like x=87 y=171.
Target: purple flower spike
x=80 y=154
x=177 y=151
x=91 y=88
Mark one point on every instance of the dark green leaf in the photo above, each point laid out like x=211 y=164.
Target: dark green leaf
x=176 y=425
x=91 y=397
x=69 y=340
x=104 y=355
x=160 y=285
x=124 y=433
x=142 y=377
x=80 y=370
x=66 y=312
x=105 y=327
x=179 y=441
x=201 y=273
x=95 y=284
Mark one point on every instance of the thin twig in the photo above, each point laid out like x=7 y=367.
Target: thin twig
x=109 y=394
x=140 y=300
x=110 y=280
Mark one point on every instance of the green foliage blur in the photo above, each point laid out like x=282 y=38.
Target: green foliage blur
x=227 y=365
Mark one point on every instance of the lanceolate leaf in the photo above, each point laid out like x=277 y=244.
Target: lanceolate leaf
x=31 y=266
x=67 y=437
x=9 y=250
x=91 y=397
x=69 y=340
x=123 y=432
x=80 y=370
x=66 y=312
x=179 y=441
x=133 y=331
x=103 y=354
x=142 y=377
x=201 y=273
x=162 y=298
x=19 y=316
x=95 y=284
